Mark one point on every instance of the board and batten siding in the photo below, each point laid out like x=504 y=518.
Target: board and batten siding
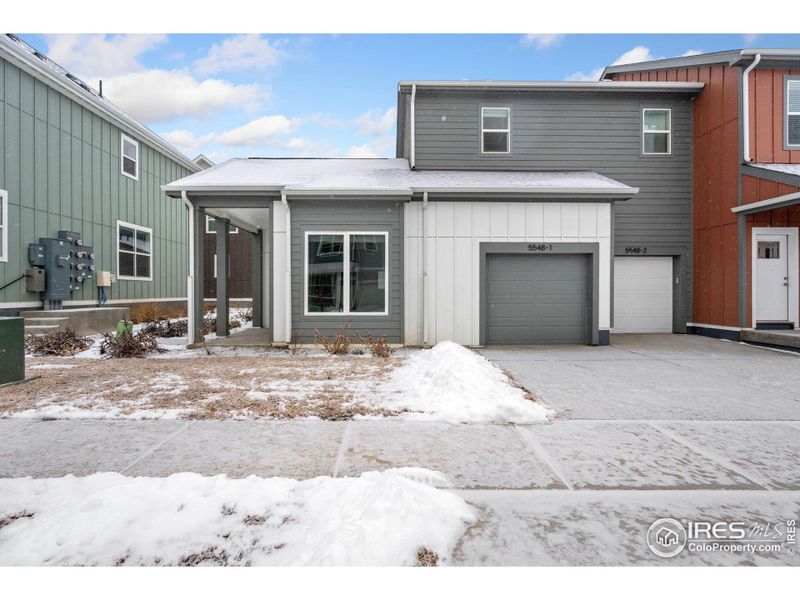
x=336 y=215
x=453 y=233
x=61 y=167
x=593 y=131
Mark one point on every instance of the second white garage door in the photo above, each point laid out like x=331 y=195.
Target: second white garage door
x=643 y=294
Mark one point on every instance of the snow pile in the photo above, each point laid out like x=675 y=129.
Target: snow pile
x=453 y=384
x=187 y=519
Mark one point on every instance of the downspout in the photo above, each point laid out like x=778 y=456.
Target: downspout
x=746 y=109
x=424 y=269
x=288 y=275
x=190 y=276
x=413 y=159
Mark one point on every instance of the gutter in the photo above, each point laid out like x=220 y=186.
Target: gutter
x=413 y=155
x=746 y=107
x=642 y=86
x=190 y=308
x=424 y=269
x=288 y=271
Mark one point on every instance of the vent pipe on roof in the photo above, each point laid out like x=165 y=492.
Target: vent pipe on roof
x=101 y=88
x=746 y=107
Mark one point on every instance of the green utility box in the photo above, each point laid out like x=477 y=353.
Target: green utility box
x=12 y=349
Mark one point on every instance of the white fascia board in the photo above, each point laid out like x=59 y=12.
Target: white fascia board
x=642 y=86
x=769 y=203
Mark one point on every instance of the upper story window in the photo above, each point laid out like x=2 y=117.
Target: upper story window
x=495 y=130
x=3 y=226
x=129 y=156
x=134 y=251
x=656 y=131
x=211 y=226
x=793 y=112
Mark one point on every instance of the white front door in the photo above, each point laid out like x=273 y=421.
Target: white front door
x=772 y=277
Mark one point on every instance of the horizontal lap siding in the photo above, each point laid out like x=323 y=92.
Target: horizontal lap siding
x=578 y=131
x=60 y=165
x=347 y=215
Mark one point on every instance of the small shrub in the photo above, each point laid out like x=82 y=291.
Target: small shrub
x=338 y=344
x=210 y=325
x=58 y=342
x=427 y=557
x=129 y=345
x=167 y=328
x=294 y=342
x=378 y=346
x=246 y=314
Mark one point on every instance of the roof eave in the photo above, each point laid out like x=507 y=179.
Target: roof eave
x=545 y=86
x=768 y=204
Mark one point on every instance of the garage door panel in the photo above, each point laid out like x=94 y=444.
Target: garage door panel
x=643 y=294
x=537 y=299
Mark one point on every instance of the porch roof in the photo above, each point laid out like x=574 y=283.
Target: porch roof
x=384 y=176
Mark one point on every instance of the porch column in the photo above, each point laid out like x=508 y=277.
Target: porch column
x=223 y=229
x=198 y=219
x=256 y=278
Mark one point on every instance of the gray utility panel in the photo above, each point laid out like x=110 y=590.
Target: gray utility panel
x=538 y=299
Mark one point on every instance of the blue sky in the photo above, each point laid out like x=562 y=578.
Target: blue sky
x=327 y=95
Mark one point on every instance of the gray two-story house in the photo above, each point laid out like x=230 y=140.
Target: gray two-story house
x=514 y=213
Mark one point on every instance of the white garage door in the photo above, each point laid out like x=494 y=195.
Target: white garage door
x=643 y=294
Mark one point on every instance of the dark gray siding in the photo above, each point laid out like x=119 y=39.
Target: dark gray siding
x=578 y=131
x=348 y=215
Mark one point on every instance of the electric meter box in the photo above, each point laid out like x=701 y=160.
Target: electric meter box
x=66 y=262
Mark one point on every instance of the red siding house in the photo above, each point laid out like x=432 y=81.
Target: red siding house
x=746 y=188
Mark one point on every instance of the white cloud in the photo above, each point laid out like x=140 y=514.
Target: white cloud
x=750 y=38
x=634 y=55
x=156 y=95
x=378 y=148
x=375 y=122
x=541 y=40
x=240 y=52
x=187 y=142
x=100 y=55
x=259 y=131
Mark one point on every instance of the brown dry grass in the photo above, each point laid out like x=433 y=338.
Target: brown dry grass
x=142 y=312
x=212 y=387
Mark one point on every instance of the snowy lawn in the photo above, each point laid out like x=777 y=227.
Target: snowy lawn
x=388 y=518
x=446 y=383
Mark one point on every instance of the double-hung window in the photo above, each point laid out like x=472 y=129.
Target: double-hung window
x=495 y=130
x=3 y=226
x=346 y=273
x=656 y=131
x=129 y=156
x=792 y=113
x=134 y=252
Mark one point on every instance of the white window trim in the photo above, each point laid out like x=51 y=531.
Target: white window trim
x=233 y=230
x=507 y=130
x=787 y=144
x=152 y=247
x=346 y=275
x=667 y=131
x=4 y=226
x=122 y=139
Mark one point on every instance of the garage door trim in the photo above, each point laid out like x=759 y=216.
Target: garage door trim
x=591 y=249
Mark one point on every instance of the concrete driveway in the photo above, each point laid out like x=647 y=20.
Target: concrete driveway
x=649 y=427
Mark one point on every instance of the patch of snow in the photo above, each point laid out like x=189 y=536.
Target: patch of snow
x=453 y=384
x=108 y=519
x=49 y=366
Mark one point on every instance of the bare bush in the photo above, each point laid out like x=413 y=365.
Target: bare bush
x=338 y=344
x=129 y=345
x=246 y=314
x=58 y=342
x=210 y=325
x=167 y=328
x=294 y=342
x=378 y=346
x=427 y=557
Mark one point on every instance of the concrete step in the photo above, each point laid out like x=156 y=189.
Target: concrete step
x=773 y=337
x=39 y=329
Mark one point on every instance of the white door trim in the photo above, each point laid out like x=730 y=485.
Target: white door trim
x=793 y=266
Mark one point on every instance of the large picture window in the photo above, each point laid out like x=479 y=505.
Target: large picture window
x=346 y=273
x=134 y=251
x=656 y=131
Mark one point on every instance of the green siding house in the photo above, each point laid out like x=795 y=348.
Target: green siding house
x=73 y=161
